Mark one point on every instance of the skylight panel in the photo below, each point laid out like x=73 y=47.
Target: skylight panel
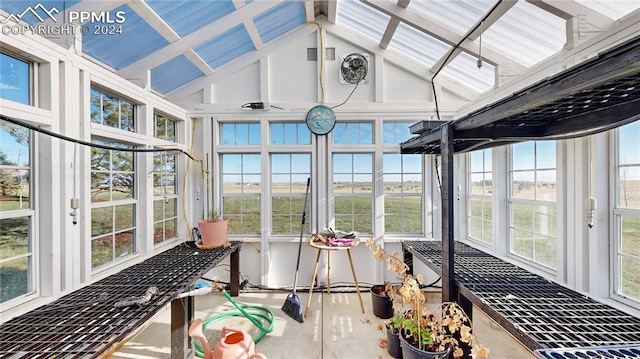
x=361 y=18
x=417 y=45
x=173 y=74
x=280 y=19
x=138 y=39
x=458 y=16
x=464 y=69
x=613 y=9
x=526 y=34
x=186 y=17
x=226 y=47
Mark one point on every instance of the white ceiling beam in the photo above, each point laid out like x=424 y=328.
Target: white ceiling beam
x=240 y=63
x=199 y=62
x=500 y=9
x=568 y=9
x=250 y=26
x=153 y=19
x=310 y=10
x=412 y=67
x=392 y=26
x=332 y=10
x=441 y=33
x=198 y=37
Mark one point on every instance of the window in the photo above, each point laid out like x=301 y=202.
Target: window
x=627 y=213
x=165 y=198
x=240 y=134
x=113 y=203
x=353 y=133
x=241 y=192
x=112 y=111
x=402 y=193
x=353 y=191
x=17 y=273
x=15 y=79
x=164 y=128
x=289 y=173
x=290 y=134
x=396 y=132
x=532 y=202
x=479 y=199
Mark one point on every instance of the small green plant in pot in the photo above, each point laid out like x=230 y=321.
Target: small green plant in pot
x=426 y=334
x=213 y=229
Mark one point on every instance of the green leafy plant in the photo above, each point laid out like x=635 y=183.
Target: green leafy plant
x=434 y=331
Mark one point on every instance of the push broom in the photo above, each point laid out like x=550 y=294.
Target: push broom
x=293 y=306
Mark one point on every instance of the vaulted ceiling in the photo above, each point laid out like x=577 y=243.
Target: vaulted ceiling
x=166 y=45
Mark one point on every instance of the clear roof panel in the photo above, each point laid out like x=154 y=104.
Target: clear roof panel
x=417 y=45
x=280 y=19
x=138 y=39
x=173 y=74
x=614 y=9
x=526 y=34
x=458 y=16
x=47 y=7
x=464 y=69
x=361 y=18
x=226 y=47
x=186 y=17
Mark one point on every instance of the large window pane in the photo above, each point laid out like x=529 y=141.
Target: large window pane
x=241 y=176
x=112 y=111
x=289 y=173
x=16 y=82
x=353 y=192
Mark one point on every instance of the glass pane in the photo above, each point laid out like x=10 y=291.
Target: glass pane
x=488 y=184
x=251 y=205
x=127 y=117
x=254 y=134
x=301 y=164
x=488 y=160
x=339 y=133
x=100 y=159
x=160 y=127
x=96 y=109
x=476 y=161
x=412 y=183
x=477 y=183
x=392 y=205
x=277 y=133
x=630 y=235
x=110 y=111
x=14 y=276
x=522 y=243
x=342 y=163
x=125 y=215
x=251 y=163
x=231 y=205
x=280 y=205
x=523 y=156
x=100 y=187
x=522 y=216
x=122 y=161
x=487 y=232
x=290 y=133
x=158 y=232
x=170 y=208
x=412 y=164
x=251 y=224
x=392 y=183
x=14 y=189
x=15 y=142
x=122 y=185
x=366 y=133
x=546 y=185
x=344 y=223
x=392 y=223
x=15 y=79
x=475 y=207
x=171 y=130
x=231 y=164
x=629 y=278
x=487 y=210
x=171 y=228
x=297 y=204
x=281 y=224
x=124 y=243
x=342 y=184
x=545 y=154
x=363 y=163
x=158 y=210
x=228 y=133
x=412 y=204
x=14 y=237
x=304 y=135
x=545 y=220
x=475 y=228
x=522 y=184
x=242 y=134
x=413 y=224
x=363 y=224
x=629 y=187
x=629 y=146
x=388 y=136
x=101 y=251
x=362 y=205
x=545 y=251
x=280 y=163
x=252 y=184
x=343 y=205
x=280 y=184
x=101 y=221
x=392 y=163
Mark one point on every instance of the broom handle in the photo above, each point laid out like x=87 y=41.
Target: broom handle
x=304 y=216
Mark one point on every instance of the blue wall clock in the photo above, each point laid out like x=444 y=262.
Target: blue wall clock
x=321 y=120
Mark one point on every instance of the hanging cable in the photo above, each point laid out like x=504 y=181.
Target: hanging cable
x=352 y=91
x=321 y=78
x=89 y=144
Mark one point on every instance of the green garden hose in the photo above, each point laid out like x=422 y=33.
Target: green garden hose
x=255 y=312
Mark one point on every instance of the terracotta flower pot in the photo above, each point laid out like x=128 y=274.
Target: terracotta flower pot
x=214 y=233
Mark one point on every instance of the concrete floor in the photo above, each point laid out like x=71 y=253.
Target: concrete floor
x=335 y=328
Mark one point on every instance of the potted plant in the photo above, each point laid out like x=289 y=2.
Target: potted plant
x=392 y=331
x=426 y=335
x=213 y=229
x=381 y=302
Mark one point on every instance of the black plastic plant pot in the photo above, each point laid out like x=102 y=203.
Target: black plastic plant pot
x=393 y=344
x=381 y=303
x=411 y=352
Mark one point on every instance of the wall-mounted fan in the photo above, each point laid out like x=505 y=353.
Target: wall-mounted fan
x=354 y=68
